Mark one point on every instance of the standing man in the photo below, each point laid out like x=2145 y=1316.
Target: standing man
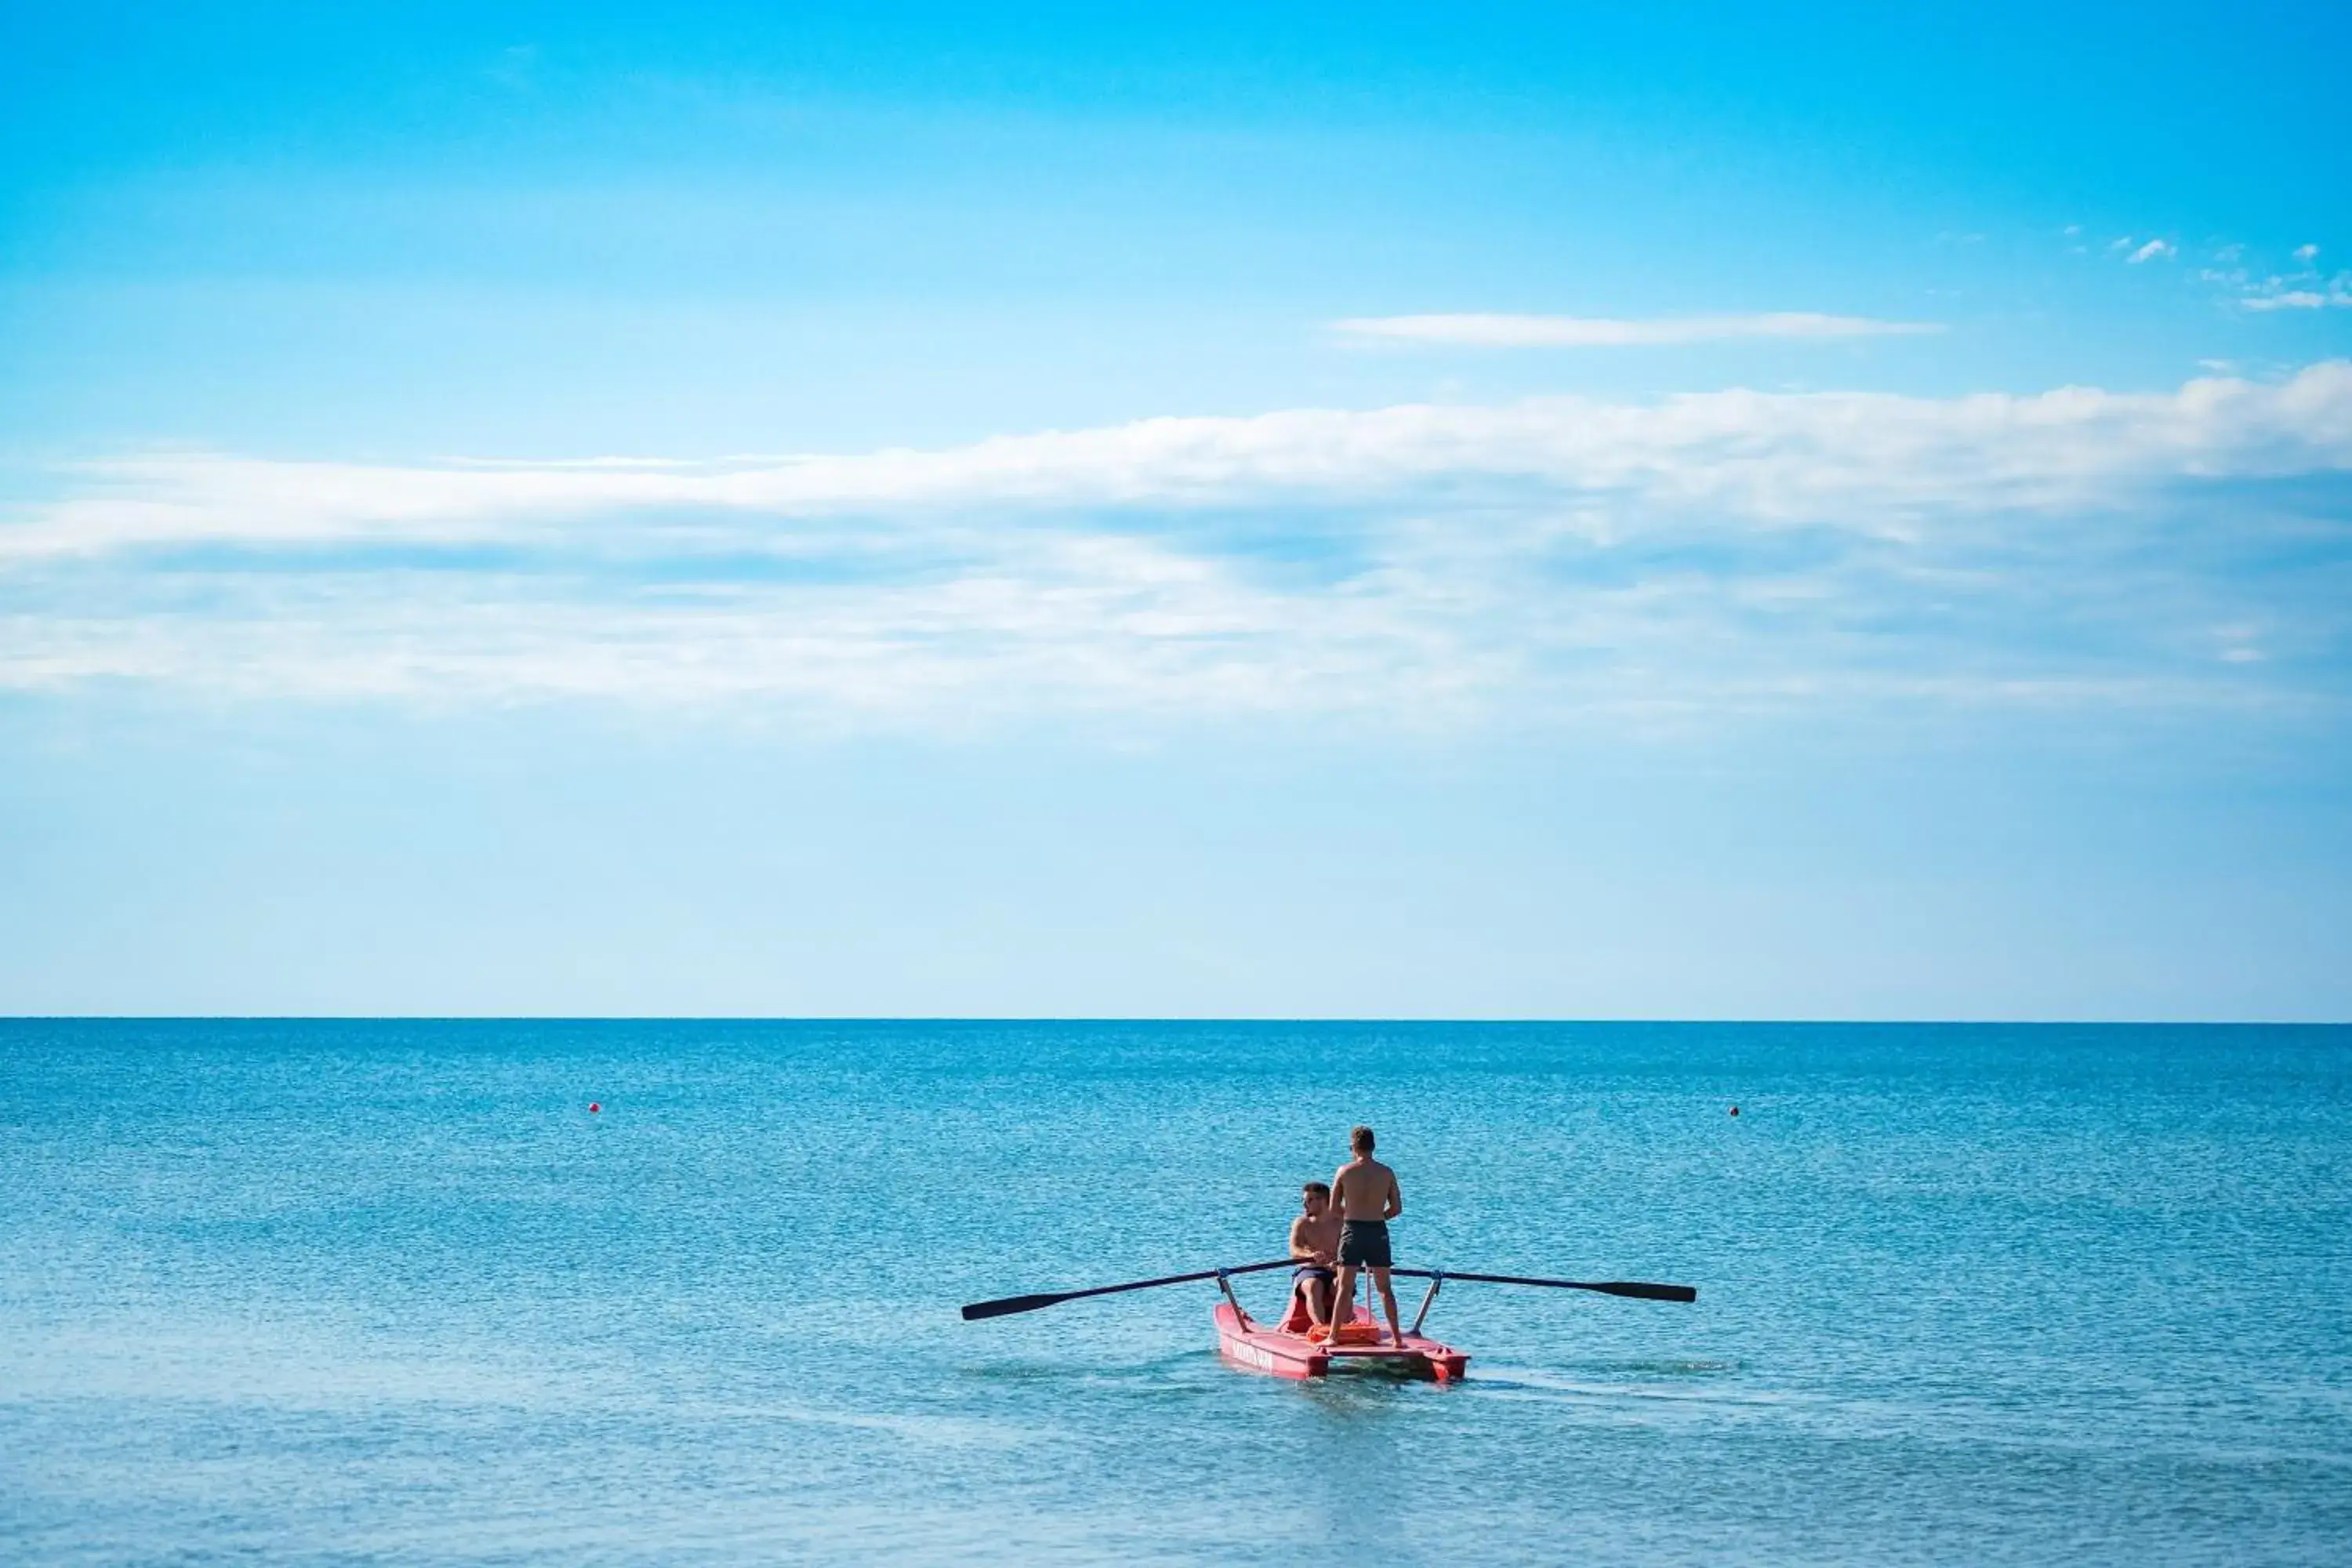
x=1314 y=1238
x=1365 y=1196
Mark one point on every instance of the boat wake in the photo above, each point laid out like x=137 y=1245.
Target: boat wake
x=1634 y=1380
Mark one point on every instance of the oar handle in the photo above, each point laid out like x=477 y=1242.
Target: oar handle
x=1633 y=1287
x=1007 y=1306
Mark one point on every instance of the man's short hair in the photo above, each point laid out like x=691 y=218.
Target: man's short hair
x=1361 y=1140
x=1322 y=1188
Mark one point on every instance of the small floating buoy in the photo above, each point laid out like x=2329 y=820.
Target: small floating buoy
x=594 y=1108
x=1735 y=1109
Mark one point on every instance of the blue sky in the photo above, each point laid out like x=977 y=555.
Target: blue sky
x=1259 y=512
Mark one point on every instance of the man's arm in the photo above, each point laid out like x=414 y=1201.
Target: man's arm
x=1395 y=1205
x=1298 y=1244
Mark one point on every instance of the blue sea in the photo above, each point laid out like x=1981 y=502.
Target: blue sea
x=390 y=1292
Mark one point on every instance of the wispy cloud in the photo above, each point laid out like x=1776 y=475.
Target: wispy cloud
x=1849 y=458
x=1695 y=554
x=1601 y=331
x=2154 y=250
x=2301 y=292
x=2304 y=288
x=2292 y=299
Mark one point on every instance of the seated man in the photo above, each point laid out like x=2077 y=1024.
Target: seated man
x=1314 y=1237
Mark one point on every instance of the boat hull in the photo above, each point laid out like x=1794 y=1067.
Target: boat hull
x=1279 y=1352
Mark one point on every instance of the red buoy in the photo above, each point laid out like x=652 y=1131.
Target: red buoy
x=594 y=1108
x=1735 y=1109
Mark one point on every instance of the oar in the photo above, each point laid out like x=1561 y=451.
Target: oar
x=1012 y=1304
x=1633 y=1287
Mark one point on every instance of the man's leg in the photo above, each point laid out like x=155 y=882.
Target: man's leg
x=1388 y=1299
x=1318 y=1298
x=1343 y=1297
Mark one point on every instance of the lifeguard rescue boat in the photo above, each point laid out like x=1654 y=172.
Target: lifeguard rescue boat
x=1290 y=1349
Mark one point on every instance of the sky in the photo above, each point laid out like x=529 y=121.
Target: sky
x=1202 y=511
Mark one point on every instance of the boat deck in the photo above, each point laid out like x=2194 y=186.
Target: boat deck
x=1282 y=1351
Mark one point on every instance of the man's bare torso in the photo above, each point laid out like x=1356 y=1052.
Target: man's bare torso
x=1366 y=1189
x=1317 y=1239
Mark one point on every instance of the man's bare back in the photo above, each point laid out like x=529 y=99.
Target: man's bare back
x=1366 y=1189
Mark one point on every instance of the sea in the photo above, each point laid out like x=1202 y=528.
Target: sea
x=687 y=1292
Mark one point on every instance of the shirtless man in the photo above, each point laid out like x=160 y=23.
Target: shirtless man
x=1365 y=1193
x=1315 y=1241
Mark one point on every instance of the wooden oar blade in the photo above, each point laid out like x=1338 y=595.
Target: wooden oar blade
x=1010 y=1305
x=1635 y=1287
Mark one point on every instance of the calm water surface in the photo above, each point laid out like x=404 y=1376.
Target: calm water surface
x=386 y=1293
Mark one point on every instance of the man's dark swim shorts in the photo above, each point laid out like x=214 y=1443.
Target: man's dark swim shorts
x=1364 y=1244
x=1313 y=1271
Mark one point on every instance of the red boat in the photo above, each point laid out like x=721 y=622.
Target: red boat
x=1286 y=1350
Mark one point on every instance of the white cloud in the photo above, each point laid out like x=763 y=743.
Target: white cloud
x=1601 y=331
x=2155 y=249
x=1849 y=457
x=2303 y=291
x=1695 y=555
x=2287 y=300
